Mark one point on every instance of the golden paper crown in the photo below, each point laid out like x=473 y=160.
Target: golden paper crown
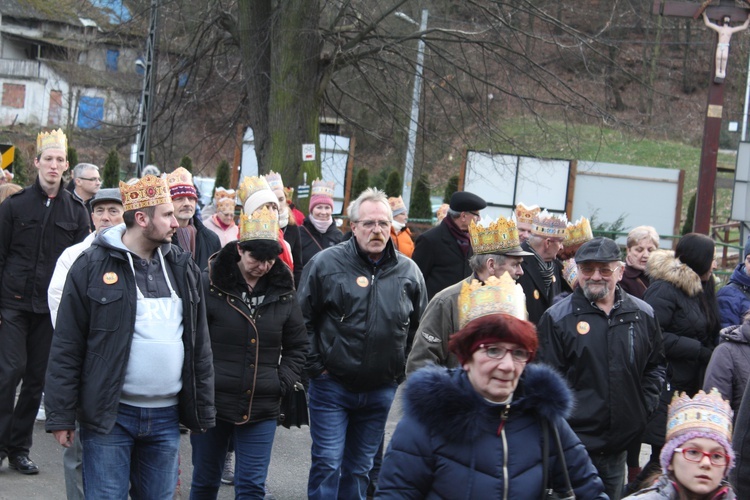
x=222 y=192
x=578 y=233
x=324 y=188
x=261 y=225
x=549 y=225
x=497 y=295
x=274 y=181
x=54 y=139
x=494 y=237
x=180 y=182
x=397 y=203
x=148 y=191
x=225 y=205
x=525 y=214
x=703 y=413
x=250 y=186
x=570 y=272
x=289 y=193
x=441 y=212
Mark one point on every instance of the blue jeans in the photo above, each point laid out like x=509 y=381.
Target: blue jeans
x=611 y=469
x=253 y=443
x=141 y=450
x=346 y=429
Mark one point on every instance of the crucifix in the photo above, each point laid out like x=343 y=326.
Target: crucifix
x=718 y=18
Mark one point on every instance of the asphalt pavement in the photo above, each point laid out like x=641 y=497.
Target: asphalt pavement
x=287 y=476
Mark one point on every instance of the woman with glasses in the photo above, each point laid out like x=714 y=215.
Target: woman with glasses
x=697 y=455
x=476 y=431
x=682 y=293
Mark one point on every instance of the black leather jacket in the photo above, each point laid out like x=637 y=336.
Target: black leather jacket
x=90 y=349
x=361 y=317
x=33 y=234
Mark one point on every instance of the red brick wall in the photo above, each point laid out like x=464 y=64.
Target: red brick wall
x=14 y=95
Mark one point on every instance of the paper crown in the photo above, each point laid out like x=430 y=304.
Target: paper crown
x=441 y=212
x=222 y=192
x=289 y=193
x=524 y=214
x=147 y=191
x=496 y=237
x=549 y=225
x=225 y=205
x=570 y=272
x=324 y=188
x=261 y=225
x=704 y=413
x=578 y=233
x=497 y=295
x=250 y=186
x=397 y=205
x=274 y=181
x=180 y=183
x=54 y=139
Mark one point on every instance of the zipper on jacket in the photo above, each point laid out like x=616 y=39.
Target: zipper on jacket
x=501 y=433
x=631 y=331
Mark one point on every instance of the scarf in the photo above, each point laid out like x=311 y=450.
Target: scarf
x=218 y=222
x=186 y=238
x=283 y=218
x=397 y=226
x=546 y=270
x=321 y=226
x=462 y=237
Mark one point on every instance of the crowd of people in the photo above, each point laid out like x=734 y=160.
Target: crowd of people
x=536 y=358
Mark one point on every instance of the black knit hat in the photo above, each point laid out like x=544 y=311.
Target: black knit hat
x=696 y=251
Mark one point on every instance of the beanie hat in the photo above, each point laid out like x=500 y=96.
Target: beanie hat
x=321 y=193
x=696 y=251
x=706 y=416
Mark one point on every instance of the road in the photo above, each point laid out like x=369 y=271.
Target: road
x=287 y=477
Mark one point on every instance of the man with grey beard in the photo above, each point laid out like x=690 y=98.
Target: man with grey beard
x=608 y=346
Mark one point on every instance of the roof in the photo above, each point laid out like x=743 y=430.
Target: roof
x=83 y=76
x=106 y=14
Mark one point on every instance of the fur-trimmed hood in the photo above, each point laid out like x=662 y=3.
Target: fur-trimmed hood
x=224 y=273
x=444 y=400
x=662 y=265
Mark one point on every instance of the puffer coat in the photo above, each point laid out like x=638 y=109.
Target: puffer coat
x=665 y=489
x=453 y=444
x=258 y=355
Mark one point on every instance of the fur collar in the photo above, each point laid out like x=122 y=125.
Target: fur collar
x=445 y=402
x=224 y=273
x=662 y=265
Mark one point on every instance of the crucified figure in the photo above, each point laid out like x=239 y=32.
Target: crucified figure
x=724 y=32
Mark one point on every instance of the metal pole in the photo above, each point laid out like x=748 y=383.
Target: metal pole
x=411 y=146
x=143 y=139
x=747 y=96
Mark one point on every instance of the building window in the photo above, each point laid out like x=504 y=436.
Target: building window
x=14 y=95
x=90 y=112
x=112 y=57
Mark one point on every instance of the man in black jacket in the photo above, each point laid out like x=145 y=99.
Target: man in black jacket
x=191 y=235
x=36 y=225
x=361 y=301
x=132 y=359
x=608 y=346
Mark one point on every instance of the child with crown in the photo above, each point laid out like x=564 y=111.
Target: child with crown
x=697 y=454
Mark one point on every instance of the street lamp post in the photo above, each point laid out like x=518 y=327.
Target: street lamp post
x=143 y=138
x=411 y=146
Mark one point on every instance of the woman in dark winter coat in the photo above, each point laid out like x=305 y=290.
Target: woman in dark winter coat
x=684 y=301
x=319 y=230
x=259 y=344
x=475 y=432
x=729 y=368
x=641 y=243
x=734 y=297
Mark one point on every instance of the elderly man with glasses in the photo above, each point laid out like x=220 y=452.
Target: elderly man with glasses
x=86 y=183
x=608 y=345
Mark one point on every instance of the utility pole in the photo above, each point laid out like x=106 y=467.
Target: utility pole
x=143 y=138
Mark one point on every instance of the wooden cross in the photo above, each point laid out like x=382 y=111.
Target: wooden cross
x=714 y=110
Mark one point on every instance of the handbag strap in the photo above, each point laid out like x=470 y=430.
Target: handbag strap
x=569 y=493
x=312 y=237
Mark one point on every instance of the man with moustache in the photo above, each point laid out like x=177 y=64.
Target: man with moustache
x=362 y=301
x=132 y=360
x=496 y=251
x=36 y=225
x=608 y=345
x=191 y=235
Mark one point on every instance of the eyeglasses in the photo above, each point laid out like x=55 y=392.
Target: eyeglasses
x=92 y=179
x=588 y=270
x=475 y=214
x=385 y=225
x=696 y=455
x=494 y=351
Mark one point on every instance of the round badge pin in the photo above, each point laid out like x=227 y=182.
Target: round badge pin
x=109 y=278
x=363 y=281
x=536 y=294
x=583 y=327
